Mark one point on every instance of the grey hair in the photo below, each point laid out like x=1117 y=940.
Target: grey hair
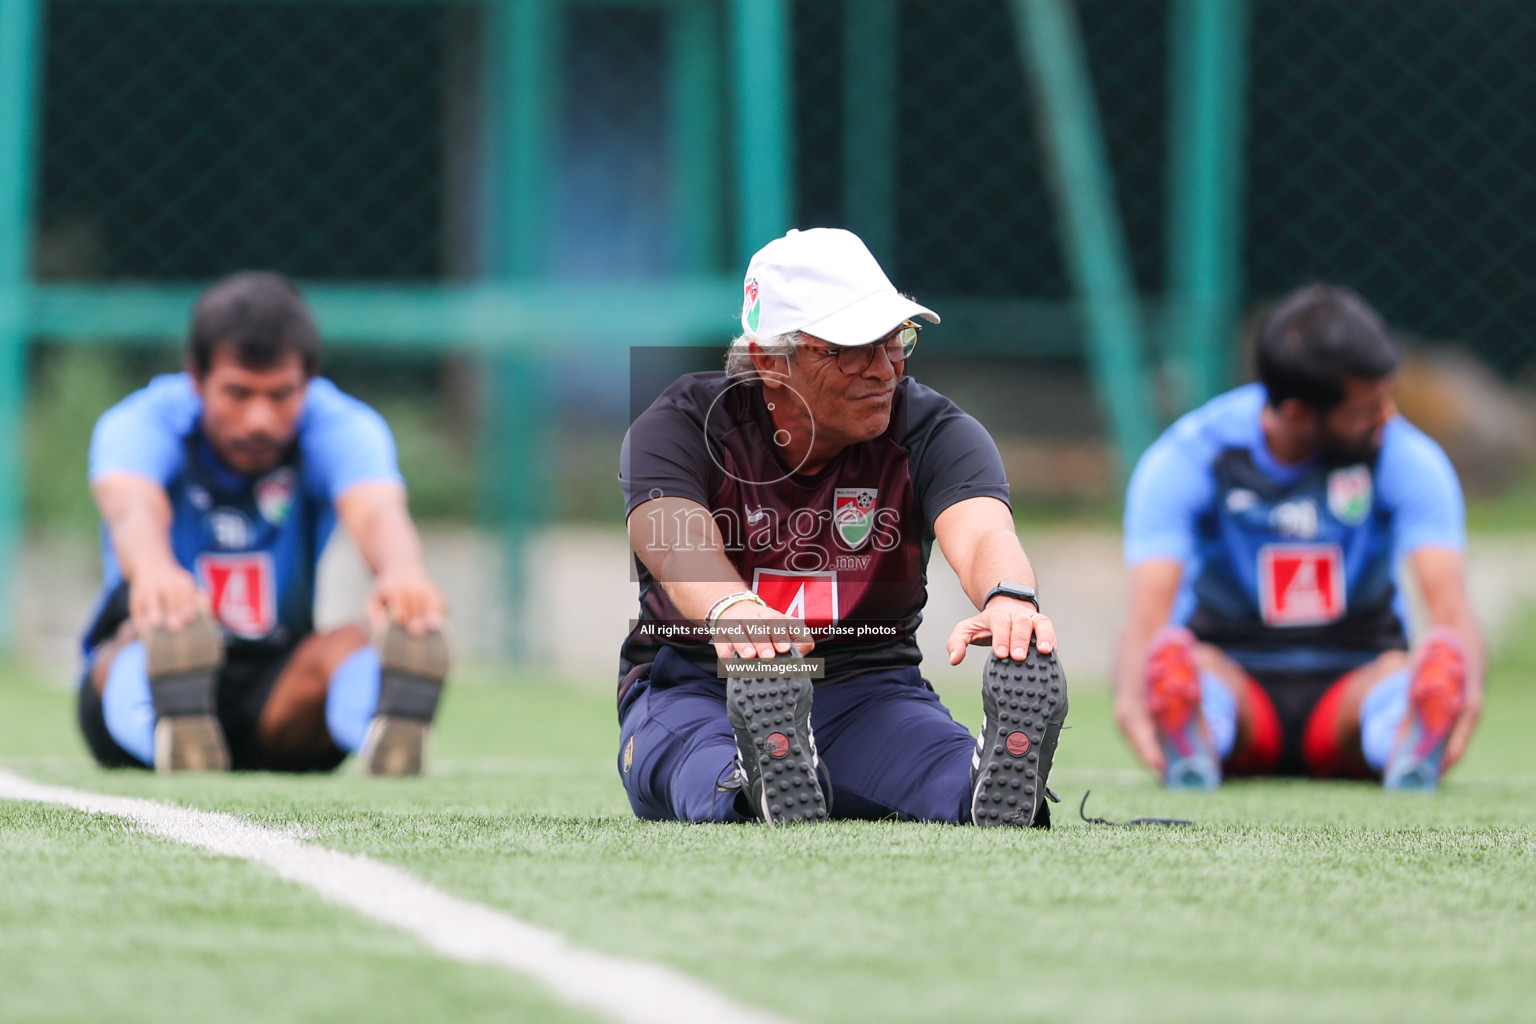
x=738 y=361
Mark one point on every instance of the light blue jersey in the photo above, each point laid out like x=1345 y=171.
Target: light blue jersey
x=1289 y=567
x=252 y=542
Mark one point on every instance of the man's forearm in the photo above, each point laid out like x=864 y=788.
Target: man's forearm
x=999 y=556
x=388 y=542
x=695 y=600
x=141 y=538
x=1465 y=627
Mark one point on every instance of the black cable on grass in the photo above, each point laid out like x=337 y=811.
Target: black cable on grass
x=1083 y=813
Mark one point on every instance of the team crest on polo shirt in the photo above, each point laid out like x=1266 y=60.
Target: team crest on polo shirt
x=274 y=495
x=853 y=514
x=1349 y=494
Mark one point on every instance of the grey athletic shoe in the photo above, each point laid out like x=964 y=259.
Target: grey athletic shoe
x=1025 y=704
x=775 y=750
x=183 y=669
x=412 y=670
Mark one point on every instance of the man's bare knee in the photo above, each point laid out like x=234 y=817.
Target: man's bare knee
x=329 y=649
x=101 y=664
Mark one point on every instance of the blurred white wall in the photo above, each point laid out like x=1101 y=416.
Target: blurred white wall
x=583 y=597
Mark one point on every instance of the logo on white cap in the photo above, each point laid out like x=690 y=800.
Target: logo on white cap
x=825 y=282
x=751 y=305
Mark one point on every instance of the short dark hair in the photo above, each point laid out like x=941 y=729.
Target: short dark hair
x=259 y=316
x=1314 y=338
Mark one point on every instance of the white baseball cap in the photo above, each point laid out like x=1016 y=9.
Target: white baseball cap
x=825 y=282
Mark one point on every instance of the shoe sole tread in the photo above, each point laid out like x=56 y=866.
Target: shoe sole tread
x=1028 y=697
x=760 y=708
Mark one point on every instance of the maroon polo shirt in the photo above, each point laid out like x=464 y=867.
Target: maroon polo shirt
x=845 y=549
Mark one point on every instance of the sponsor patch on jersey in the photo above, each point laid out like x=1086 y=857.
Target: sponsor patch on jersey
x=808 y=596
x=243 y=590
x=274 y=495
x=853 y=514
x=1349 y=494
x=230 y=529
x=1301 y=584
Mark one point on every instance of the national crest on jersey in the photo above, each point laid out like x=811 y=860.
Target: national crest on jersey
x=853 y=514
x=1307 y=561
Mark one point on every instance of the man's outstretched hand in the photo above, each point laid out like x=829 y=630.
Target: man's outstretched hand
x=1008 y=623
x=164 y=597
x=749 y=630
x=409 y=598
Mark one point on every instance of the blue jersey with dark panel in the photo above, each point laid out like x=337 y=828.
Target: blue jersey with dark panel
x=1289 y=567
x=253 y=542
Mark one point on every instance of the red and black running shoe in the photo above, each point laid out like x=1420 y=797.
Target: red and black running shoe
x=1024 y=704
x=1173 y=698
x=1436 y=695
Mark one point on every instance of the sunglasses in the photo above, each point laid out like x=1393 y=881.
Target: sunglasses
x=853 y=360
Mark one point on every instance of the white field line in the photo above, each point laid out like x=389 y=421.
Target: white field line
x=630 y=991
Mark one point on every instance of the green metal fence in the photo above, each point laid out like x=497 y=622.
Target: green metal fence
x=520 y=182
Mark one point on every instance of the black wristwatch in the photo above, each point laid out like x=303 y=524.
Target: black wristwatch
x=1014 y=590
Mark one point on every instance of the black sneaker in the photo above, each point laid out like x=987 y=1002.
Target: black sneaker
x=411 y=670
x=1025 y=704
x=775 y=749
x=183 y=666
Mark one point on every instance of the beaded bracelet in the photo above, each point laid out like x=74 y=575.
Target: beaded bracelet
x=715 y=610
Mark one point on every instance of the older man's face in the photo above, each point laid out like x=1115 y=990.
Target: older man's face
x=848 y=408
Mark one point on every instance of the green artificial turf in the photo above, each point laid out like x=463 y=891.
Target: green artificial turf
x=1287 y=901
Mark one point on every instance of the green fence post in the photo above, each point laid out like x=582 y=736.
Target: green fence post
x=695 y=101
x=1207 y=114
x=870 y=43
x=1051 y=48
x=523 y=68
x=759 y=42
x=20 y=45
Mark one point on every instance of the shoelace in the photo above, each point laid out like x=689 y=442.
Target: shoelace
x=1083 y=813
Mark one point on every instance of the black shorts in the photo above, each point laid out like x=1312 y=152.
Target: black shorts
x=1294 y=730
x=245 y=685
